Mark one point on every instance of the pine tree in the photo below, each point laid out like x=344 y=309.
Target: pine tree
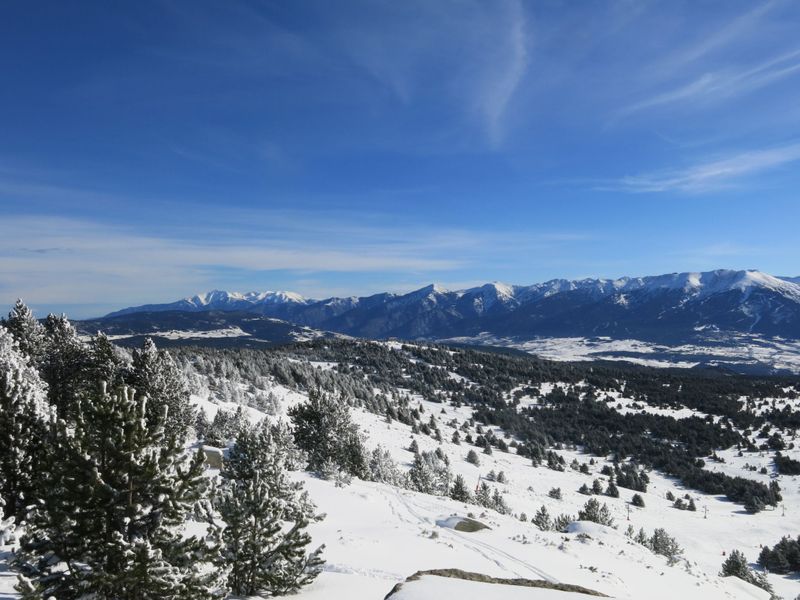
x=429 y=474
x=611 y=489
x=266 y=515
x=483 y=495
x=118 y=492
x=23 y=413
x=499 y=503
x=383 y=468
x=542 y=519
x=156 y=376
x=735 y=566
x=664 y=544
x=460 y=492
x=105 y=363
x=63 y=366
x=637 y=500
x=27 y=331
x=594 y=511
x=472 y=458
x=324 y=429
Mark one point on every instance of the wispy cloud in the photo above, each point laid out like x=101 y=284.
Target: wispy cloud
x=719 y=85
x=71 y=261
x=708 y=176
x=505 y=74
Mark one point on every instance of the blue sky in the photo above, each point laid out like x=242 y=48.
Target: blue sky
x=152 y=150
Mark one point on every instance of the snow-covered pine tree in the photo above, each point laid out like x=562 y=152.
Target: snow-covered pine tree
x=383 y=468
x=27 y=331
x=105 y=363
x=323 y=428
x=156 y=376
x=118 y=495
x=63 y=365
x=266 y=515
x=429 y=474
x=23 y=413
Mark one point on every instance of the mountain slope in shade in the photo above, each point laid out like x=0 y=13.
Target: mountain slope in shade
x=207 y=328
x=672 y=307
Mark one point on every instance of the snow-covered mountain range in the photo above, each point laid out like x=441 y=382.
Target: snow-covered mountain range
x=672 y=308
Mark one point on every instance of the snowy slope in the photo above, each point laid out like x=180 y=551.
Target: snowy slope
x=377 y=535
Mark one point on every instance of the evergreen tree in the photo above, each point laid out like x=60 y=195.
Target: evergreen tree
x=105 y=363
x=383 y=468
x=266 y=515
x=555 y=493
x=460 y=492
x=637 y=500
x=611 y=489
x=23 y=413
x=156 y=376
x=542 y=519
x=664 y=544
x=594 y=511
x=323 y=428
x=735 y=566
x=117 y=494
x=429 y=474
x=27 y=331
x=483 y=495
x=499 y=503
x=472 y=458
x=63 y=366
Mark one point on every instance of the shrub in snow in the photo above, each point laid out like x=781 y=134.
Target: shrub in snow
x=637 y=500
x=561 y=522
x=555 y=493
